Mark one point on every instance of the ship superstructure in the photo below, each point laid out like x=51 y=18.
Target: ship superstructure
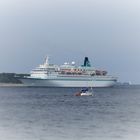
x=68 y=75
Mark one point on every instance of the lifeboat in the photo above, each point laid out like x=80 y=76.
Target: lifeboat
x=99 y=72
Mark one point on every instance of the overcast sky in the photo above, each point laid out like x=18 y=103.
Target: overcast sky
x=106 y=31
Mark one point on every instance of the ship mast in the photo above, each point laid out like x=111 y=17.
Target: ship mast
x=46 y=61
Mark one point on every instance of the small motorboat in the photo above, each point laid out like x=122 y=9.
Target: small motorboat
x=85 y=92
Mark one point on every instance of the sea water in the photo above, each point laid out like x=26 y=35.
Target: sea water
x=56 y=114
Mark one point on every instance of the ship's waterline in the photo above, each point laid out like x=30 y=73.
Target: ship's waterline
x=67 y=83
x=68 y=75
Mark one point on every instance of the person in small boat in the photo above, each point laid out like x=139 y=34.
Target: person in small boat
x=84 y=90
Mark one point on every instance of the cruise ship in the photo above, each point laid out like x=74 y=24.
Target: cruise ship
x=68 y=75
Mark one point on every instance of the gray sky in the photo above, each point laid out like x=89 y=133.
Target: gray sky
x=106 y=31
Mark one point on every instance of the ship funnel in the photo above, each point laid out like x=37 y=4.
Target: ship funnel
x=86 y=62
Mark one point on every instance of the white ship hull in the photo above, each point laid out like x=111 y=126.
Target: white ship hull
x=68 y=75
x=95 y=82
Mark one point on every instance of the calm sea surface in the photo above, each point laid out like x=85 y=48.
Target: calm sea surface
x=56 y=114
